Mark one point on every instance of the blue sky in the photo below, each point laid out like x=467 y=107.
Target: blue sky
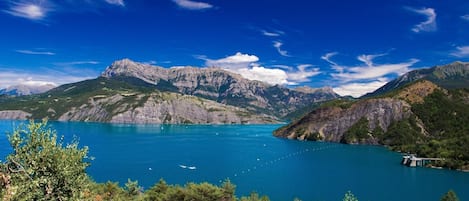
x=352 y=46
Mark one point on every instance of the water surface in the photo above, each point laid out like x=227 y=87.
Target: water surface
x=252 y=159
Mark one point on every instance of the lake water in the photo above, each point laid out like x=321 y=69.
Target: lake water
x=252 y=159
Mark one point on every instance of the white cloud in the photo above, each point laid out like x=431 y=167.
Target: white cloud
x=246 y=66
x=32 y=10
x=278 y=45
x=465 y=17
x=116 y=2
x=192 y=5
x=239 y=60
x=462 y=51
x=35 y=52
x=271 y=76
x=358 y=89
x=427 y=25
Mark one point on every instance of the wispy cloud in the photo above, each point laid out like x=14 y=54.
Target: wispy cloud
x=275 y=33
x=33 y=10
x=368 y=58
x=462 y=51
x=361 y=79
x=73 y=63
x=374 y=71
x=327 y=57
x=427 y=25
x=35 y=52
x=278 y=45
x=116 y=2
x=465 y=17
x=303 y=74
x=193 y=5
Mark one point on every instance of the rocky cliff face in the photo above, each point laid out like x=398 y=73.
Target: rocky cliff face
x=330 y=123
x=221 y=86
x=161 y=108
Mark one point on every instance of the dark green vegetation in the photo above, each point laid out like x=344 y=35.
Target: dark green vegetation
x=357 y=133
x=446 y=119
x=450 y=196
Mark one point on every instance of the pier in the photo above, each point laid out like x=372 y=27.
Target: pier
x=414 y=161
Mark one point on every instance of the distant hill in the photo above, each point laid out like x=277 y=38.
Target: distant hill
x=22 y=89
x=131 y=92
x=451 y=76
x=411 y=116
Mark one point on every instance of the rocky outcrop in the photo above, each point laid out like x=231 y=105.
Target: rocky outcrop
x=330 y=123
x=14 y=114
x=221 y=86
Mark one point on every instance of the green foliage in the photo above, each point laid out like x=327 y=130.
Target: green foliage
x=254 y=197
x=358 y=132
x=402 y=135
x=450 y=196
x=342 y=103
x=42 y=168
x=203 y=191
x=350 y=197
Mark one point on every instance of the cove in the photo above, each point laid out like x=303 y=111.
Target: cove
x=252 y=159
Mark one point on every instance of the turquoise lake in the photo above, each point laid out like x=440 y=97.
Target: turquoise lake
x=252 y=159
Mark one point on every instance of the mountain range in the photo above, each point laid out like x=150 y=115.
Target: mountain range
x=423 y=111
x=131 y=92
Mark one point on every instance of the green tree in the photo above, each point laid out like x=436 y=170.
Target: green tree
x=350 y=197
x=42 y=168
x=450 y=196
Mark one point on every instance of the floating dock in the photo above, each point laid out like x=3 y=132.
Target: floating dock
x=414 y=161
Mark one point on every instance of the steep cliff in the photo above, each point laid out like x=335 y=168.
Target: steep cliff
x=331 y=123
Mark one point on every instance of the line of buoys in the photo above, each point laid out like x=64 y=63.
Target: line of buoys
x=284 y=157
